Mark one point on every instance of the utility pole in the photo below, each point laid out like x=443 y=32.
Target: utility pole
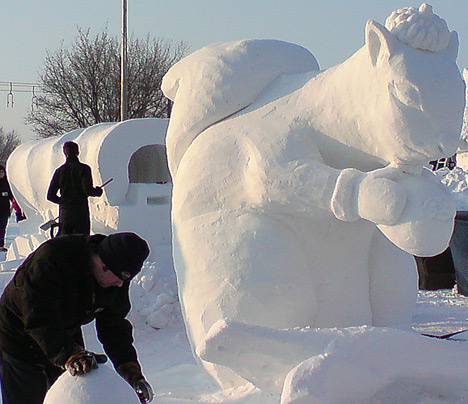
x=123 y=65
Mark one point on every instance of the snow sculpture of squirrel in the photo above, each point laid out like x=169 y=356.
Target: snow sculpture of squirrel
x=299 y=193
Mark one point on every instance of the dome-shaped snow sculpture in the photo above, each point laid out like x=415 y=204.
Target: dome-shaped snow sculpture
x=100 y=386
x=132 y=152
x=419 y=28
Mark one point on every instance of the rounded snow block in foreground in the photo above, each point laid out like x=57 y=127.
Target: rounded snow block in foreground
x=381 y=365
x=100 y=386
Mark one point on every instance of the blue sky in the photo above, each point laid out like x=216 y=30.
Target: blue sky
x=331 y=29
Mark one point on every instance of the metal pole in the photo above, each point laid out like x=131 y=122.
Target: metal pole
x=123 y=66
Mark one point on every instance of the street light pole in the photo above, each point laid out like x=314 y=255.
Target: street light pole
x=123 y=64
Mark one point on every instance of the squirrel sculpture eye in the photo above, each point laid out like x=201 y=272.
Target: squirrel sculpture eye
x=406 y=93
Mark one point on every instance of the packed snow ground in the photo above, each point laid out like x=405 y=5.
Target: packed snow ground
x=165 y=352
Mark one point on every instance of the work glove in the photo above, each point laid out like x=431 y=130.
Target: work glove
x=131 y=372
x=144 y=391
x=84 y=362
x=19 y=213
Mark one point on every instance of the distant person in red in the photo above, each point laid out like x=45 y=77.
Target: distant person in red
x=75 y=183
x=7 y=200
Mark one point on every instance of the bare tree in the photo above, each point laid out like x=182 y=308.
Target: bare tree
x=9 y=141
x=81 y=85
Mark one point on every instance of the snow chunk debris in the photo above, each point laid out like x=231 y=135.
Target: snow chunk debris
x=456 y=181
x=154 y=297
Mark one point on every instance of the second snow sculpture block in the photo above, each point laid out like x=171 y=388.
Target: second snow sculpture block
x=299 y=194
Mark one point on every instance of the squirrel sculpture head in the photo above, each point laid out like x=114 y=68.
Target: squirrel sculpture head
x=413 y=66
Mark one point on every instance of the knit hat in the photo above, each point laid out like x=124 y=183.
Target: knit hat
x=124 y=254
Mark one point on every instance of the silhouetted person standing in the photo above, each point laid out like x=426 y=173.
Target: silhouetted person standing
x=75 y=183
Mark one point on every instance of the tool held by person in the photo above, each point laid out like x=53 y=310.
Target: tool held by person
x=47 y=225
x=107 y=182
x=50 y=225
x=446 y=336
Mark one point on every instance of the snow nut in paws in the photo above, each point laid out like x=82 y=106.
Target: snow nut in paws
x=380 y=200
x=427 y=223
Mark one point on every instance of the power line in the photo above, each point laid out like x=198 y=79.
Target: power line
x=12 y=87
x=18 y=83
x=20 y=91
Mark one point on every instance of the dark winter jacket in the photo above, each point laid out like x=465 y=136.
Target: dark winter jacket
x=75 y=182
x=53 y=294
x=5 y=197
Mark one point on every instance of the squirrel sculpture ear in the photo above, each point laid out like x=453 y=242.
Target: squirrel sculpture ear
x=379 y=41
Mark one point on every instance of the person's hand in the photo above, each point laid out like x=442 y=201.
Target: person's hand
x=84 y=362
x=131 y=372
x=20 y=216
x=99 y=191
